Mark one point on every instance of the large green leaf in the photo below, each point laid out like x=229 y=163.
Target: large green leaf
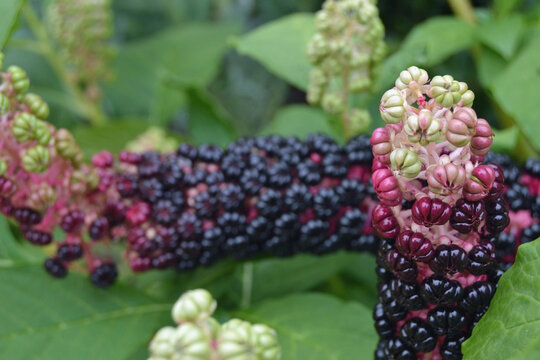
x=428 y=44
x=298 y=120
x=14 y=253
x=9 y=11
x=112 y=136
x=502 y=35
x=188 y=55
x=505 y=141
x=47 y=318
x=281 y=47
x=510 y=329
x=516 y=90
x=318 y=327
x=275 y=277
x=502 y=8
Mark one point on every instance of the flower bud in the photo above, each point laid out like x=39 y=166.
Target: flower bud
x=482 y=139
x=19 y=79
x=422 y=128
x=445 y=90
x=406 y=162
x=413 y=78
x=479 y=185
x=381 y=144
x=235 y=340
x=36 y=159
x=266 y=342
x=193 y=306
x=392 y=106
x=37 y=105
x=387 y=187
x=190 y=342
x=445 y=179
x=3 y=167
x=162 y=342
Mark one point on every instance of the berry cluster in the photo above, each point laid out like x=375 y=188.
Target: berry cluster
x=267 y=195
x=199 y=336
x=440 y=210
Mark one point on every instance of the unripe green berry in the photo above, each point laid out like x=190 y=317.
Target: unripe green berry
x=359 y=121
x=36 y=159
x=445 y=90
x=235 y=341
x=3 y=167
x=266 y=342
x=24 y=127
x=412 y=76
x=42 y=133
x=392 y=106
x=190 y=343
x=65 y=145
x=162 y=343
x=37 y=105
x=19 y=79
x=406 y=162
x=333 y=103
x=193 y=306
x=4 y=104
x=422 y=128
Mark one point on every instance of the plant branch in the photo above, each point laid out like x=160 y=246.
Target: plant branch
x=247 y=285
x=92 y=112
x=464 y=10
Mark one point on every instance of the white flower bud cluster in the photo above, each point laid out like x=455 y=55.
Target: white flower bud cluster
x=198 y=336
x=346 y=52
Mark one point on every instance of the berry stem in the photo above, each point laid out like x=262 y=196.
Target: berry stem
x=247 y=284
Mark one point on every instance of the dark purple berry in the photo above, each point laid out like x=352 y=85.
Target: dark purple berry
x=98 y=228
x=467 y=215
x=451 y=347
x=447 y=320
x=298 y=198
x=55 y=267
x=481 y=259
x=448 y=259
x=438 y=290
x=279 y=175
x=418 y=335
x=326 y=203
x=72 y=221
x=309 y=173
x=38 y=237
x=384 y=327
x=476 y=297
x=404 y=268
x=407 y=294
x=270 y=204
x=104 y=275
x=26 y=216
x=69 y=252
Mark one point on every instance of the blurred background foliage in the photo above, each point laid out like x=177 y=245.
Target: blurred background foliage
x=214 y=70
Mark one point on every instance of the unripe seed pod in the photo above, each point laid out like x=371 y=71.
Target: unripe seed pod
x=386 y=186
x=428 y=212
x=392 y=106
x=65 y=144
x=406 y=162
x=482 y=139
x=19 y=79
x=266 y=342
x=381 y=144
x=445 y=179
x=445 y=90
x=190 y=342
x=36 y=159
x=479 y=185
x=37 y=105
x=467 y=96
x=42 y=132
x=193 y=306
x=413 y=77
x=422 y=128
x=333 y=103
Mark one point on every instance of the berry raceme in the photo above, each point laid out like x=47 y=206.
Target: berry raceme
x=440 y=208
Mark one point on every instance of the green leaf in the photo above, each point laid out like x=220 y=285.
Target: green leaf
x=489 y=65
x=298 y=120
x=318 y=327
x=362 y=270
x=505 y=141
x=9 y=12
x=112 y=136
x=275 y=277
x=509 y=330
x=207 y=121
x=502 y=8
x=502 y=35
x=47 y=318
x=188 y=55
x=516 y=90
x=281 y=46
x=14 y=253
x=428 y=44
